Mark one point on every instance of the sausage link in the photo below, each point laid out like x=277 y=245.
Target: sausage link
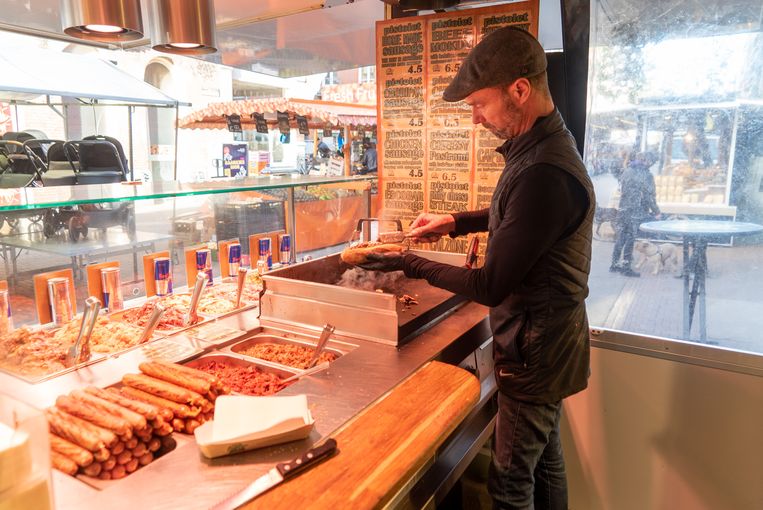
x=136 y=420
x=106 y=436
x=178 y=425
x=179 y=410
x=118 y=448
x=164 y=430
x=154 y=444
x=132 y=465
x=105 y=475
x=79 y=455
x=146 y=410
x=93 y=469
x=132 y=443
x=164 y=389
x=169 y=373
x=124 y=457
x=191 y=425
x=146 y=458
x=102 y=455
x=88 y=412
x=118 y=472
x=63 y=463
x=64 y=428
x=191 y=372
x=139 y=450
x=109 y=464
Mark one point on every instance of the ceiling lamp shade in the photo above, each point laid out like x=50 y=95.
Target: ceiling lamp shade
x=102 y=20
x=185 y=27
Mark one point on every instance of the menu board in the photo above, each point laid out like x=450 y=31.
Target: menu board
x=431 y=157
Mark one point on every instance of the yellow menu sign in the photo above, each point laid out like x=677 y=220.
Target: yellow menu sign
x=431 y=157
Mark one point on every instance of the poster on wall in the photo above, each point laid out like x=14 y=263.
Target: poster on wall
x=302 y=125
x=283 y=122
x=432 y=158
x=260 y=124
x=234 y=123
x=235 y=159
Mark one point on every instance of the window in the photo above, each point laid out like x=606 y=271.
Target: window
x=676 y=98
x=367 y=74
x=332 y=78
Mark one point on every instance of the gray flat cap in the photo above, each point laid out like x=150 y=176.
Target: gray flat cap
x=501 y=57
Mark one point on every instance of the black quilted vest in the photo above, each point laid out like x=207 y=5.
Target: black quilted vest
x=540 y=331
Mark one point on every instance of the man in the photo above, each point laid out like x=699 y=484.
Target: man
x=535 y=276
x=638 y=203
x=369 y=160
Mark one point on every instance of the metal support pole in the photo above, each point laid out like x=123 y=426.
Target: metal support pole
x=130 y=142
x=177 y=119
x=292 y=227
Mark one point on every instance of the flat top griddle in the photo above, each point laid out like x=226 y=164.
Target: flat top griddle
x=432 y=301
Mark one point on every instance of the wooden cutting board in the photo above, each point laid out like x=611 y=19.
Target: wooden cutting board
x=384 y=446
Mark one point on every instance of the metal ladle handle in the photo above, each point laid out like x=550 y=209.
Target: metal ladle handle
x=153 y=321
x=241 y=281
x=191 y=316
x=328 y=329
x=89 y=318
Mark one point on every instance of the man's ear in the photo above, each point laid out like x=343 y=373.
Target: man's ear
x=520 y=91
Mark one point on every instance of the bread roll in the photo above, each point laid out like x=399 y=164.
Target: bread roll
x=358 y=254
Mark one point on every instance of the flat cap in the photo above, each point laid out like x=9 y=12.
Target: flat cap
x=501 y=57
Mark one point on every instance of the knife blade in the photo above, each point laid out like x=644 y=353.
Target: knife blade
x=281 y=472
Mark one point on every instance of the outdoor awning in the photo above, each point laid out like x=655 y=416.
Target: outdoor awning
x=27 y=74
x=318 y=113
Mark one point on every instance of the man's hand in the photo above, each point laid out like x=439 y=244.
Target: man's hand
x=429 y=228
x=386 y=262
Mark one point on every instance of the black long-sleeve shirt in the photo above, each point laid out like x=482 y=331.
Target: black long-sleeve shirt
x=555 y=203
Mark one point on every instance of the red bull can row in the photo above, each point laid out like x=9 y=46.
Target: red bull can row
x=265 y=251
x=204 y=263
x=234 y=258
x=284 y=243
x=163 y=276
x=111 y=286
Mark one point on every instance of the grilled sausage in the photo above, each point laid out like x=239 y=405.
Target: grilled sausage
x=136 y=420
x=112 y=395
x=93 y=469
x=84 y=410
x=164 y=389
x=179 y=410
x=106 y=436
x=84 y=437
x=168 y=372
x=79 y=455
x=63 y=463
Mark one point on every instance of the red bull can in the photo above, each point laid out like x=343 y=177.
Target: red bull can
x=266 y=251
x=60 y=301
x=284 y=246
x=112 y=289
x=6 y=318
x=234 y=258
x=262 y=267
x=204 y=263
x=163 y=276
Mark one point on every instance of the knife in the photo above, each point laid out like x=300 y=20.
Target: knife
x=283 y=471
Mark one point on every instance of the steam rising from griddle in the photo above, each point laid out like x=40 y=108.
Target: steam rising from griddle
x=356 y=278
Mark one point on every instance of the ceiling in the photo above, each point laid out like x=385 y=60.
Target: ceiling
x=276 y=37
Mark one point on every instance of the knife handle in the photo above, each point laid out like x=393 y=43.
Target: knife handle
x=308 y=459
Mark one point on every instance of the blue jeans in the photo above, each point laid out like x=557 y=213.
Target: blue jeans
x=527 y=471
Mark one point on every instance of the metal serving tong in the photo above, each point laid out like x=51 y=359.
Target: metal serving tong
x=198 y=287
x=241 y=281
x=80 y=351
x=309 y=371
x=361 y=235
x=153 y=321
x=328 y=329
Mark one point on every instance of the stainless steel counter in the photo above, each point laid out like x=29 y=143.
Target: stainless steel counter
x=185 y=479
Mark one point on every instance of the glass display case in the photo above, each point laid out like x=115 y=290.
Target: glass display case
x=72 y=230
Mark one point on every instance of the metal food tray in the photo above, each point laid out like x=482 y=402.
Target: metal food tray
x=95 y=357
x=267 y=338
x=241 y=361
x=308 y=294
x=204 y=318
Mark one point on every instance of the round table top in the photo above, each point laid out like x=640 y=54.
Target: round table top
x=701 y=227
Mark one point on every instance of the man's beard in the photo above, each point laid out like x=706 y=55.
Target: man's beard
x=513 y=119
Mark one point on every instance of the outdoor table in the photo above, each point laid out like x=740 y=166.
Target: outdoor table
x=695 y=235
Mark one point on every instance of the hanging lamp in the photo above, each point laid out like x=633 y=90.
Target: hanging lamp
x=185 y=27
x=102 y=20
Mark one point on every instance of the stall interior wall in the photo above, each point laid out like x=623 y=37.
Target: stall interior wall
x=656 y=434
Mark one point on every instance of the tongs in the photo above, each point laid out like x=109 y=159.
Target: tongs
x=364 y=234
x=328 y=329
x=309 y=371
x=241 y=281
x=80 y=351
x=191 y=316
x=153 y=321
